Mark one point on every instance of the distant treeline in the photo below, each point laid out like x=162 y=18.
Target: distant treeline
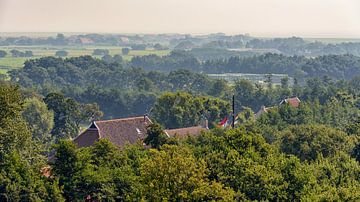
x=333 y=66
x=298 y=46
x=243 y=44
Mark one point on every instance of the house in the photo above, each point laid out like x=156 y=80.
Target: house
x=117 y=131
x=126 y=131
x=262 y=110
x=294 y=101
x=85 y=41
x=185 y=132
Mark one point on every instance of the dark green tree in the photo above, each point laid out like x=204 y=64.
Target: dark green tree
x=156 y=136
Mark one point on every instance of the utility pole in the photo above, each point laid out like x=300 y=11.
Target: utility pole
x=233 y=112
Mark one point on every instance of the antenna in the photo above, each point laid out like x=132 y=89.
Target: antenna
x=233 y=112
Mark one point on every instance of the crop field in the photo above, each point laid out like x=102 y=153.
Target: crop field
x=9 y=62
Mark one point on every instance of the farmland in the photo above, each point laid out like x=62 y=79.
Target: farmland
x=9 y=62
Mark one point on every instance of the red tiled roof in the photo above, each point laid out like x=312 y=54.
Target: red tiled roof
x=87 y=138
x=184 y=132
x=117 y=131
x=122 y=131
x=127 y=130
x=295 y=101
x=86 y=40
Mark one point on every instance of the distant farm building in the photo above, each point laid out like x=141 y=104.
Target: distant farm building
x=86 y=41
x=294 y=102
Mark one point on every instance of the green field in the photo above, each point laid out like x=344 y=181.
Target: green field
x=3 y=71
x=9 y=62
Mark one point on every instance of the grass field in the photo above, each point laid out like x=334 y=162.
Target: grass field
x=9 y=62
x=3 y=71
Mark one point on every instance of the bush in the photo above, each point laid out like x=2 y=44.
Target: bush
x=125 y=51
x=61 y=53
x=2 y=53
x=100 y=52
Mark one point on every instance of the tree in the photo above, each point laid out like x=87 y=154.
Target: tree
x=40 y=120
x=66 y=112
x=138 y=46
x=125 y=51
x=108 y=59
x=88 y=113
x=268 y=80
x=117 y=58
x=185 y=177
x=60 y=39
x=356 y=152
x=66 y=166
x=219 y=88
x=61 y=53
x=244 y=93
x=69 y=114
x=309 y=141
x=20 y=179
x=2 y=53
x=16 y=53
x=285 y=82
x=176 y=110
x=14 y=134
x=158 y=46
x=155 y=136
x=101 y=52
x=28 y=54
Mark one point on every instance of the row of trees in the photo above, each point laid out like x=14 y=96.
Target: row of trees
x=334 y=66
x=16 y=53
x=300 y=67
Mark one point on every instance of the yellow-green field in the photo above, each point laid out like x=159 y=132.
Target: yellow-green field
x=9 y=62
x=3 y=71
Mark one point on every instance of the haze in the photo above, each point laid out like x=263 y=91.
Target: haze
x=306 y=18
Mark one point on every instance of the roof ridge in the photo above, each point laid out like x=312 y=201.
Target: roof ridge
x=184 y=128
x=121 y=119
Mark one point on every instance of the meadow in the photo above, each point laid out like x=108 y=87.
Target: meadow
x=9 y=62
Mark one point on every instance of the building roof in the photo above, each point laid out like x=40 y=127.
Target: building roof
x=294 y=101
x=85 y=40
x=185 y=132
x=127 y=130
x=262 y=110
x=118 y=131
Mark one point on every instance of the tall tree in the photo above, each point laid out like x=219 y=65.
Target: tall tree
x=39 y=118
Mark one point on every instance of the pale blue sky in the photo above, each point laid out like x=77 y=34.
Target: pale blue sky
x=309 y=18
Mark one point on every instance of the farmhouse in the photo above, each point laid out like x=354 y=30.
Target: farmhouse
x=262 y=110
x=86 y=41
x=127 y=131
x=294 y=102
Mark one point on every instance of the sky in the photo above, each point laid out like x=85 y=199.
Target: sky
x=306 y=18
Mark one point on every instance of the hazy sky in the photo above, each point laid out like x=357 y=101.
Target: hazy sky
x=309 y=18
